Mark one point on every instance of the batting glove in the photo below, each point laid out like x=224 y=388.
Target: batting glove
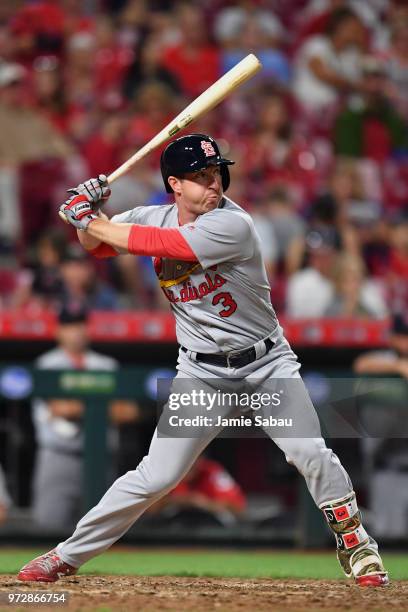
x=79 y=212
x=96 y=191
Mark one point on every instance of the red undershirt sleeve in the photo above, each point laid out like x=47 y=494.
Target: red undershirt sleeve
x=159 y=242
x=103 y=250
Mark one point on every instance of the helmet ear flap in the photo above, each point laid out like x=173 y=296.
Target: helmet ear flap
x=165 y=171
x=225 y=176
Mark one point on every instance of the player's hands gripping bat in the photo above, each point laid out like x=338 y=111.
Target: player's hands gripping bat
x=96 y=191
x=87 y=199
x=79 y=211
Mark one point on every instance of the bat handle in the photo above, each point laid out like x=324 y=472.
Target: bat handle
x=63 y=216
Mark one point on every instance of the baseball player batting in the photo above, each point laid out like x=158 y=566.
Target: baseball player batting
x=208 y=261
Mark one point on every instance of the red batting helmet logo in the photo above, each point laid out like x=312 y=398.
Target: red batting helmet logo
x=208 y=148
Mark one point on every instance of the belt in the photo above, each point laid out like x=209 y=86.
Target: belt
x=237 y=360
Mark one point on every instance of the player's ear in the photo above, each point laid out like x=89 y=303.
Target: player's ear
x=175 y=184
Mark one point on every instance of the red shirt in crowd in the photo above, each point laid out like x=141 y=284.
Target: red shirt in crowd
x=195 y=69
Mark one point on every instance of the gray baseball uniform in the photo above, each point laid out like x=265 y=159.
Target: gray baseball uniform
x=222 y=304
x=57 y=480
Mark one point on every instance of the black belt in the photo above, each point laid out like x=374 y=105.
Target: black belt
x=237 y=360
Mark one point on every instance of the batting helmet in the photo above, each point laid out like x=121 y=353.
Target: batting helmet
x=192 y=153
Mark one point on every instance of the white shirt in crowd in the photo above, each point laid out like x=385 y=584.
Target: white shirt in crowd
x=309 y=294
x=308 y=88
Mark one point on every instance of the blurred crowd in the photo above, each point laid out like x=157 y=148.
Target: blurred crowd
x=320 y=137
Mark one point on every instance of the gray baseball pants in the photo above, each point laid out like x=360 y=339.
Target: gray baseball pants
x=57 y=488
x=170 y=458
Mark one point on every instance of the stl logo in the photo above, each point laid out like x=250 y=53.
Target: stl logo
x=208 y=148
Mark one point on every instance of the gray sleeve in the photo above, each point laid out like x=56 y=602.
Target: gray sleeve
x=220 y=236
x=135 y=215
x=139 y=215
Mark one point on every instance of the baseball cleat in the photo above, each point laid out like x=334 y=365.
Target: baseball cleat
x=46 y=568
x=373 y=580
x=367 y=567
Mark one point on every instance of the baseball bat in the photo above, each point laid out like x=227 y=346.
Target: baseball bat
x=206 y=101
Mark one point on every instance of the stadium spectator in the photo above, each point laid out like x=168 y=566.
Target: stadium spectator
x=327 y=67
x=147 y=68
x=194 y=61
x=154 y=107
x=230 y=20
x=49 y=92
x=33 y=137
x=370 y=127
x=79 y=73
x=41 y=285
x=243 y=28
x=288 y=225
x=343 y=204
x=316 y=14
x=271 y=137
x=138 y=186
x=266 y=232
x=396 y=61
x=328 y=216
x=111 y=62
x=57 y=479
x=38 y=29
x=77 y=18
x=7 y=10
x=274 y=152
x=354 y=296
x=38 y=152
x=133 y=19
x=310 y=291
x=314 y=18
x=281 y=229
x=397 y=266
x=47 y=281
x=345 y=183
x=136 y=281
x=80 y=284
x=104 y=147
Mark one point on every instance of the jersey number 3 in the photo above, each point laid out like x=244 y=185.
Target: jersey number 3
x=228 y=303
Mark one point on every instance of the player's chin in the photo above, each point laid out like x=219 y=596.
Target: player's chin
x=211 y=202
